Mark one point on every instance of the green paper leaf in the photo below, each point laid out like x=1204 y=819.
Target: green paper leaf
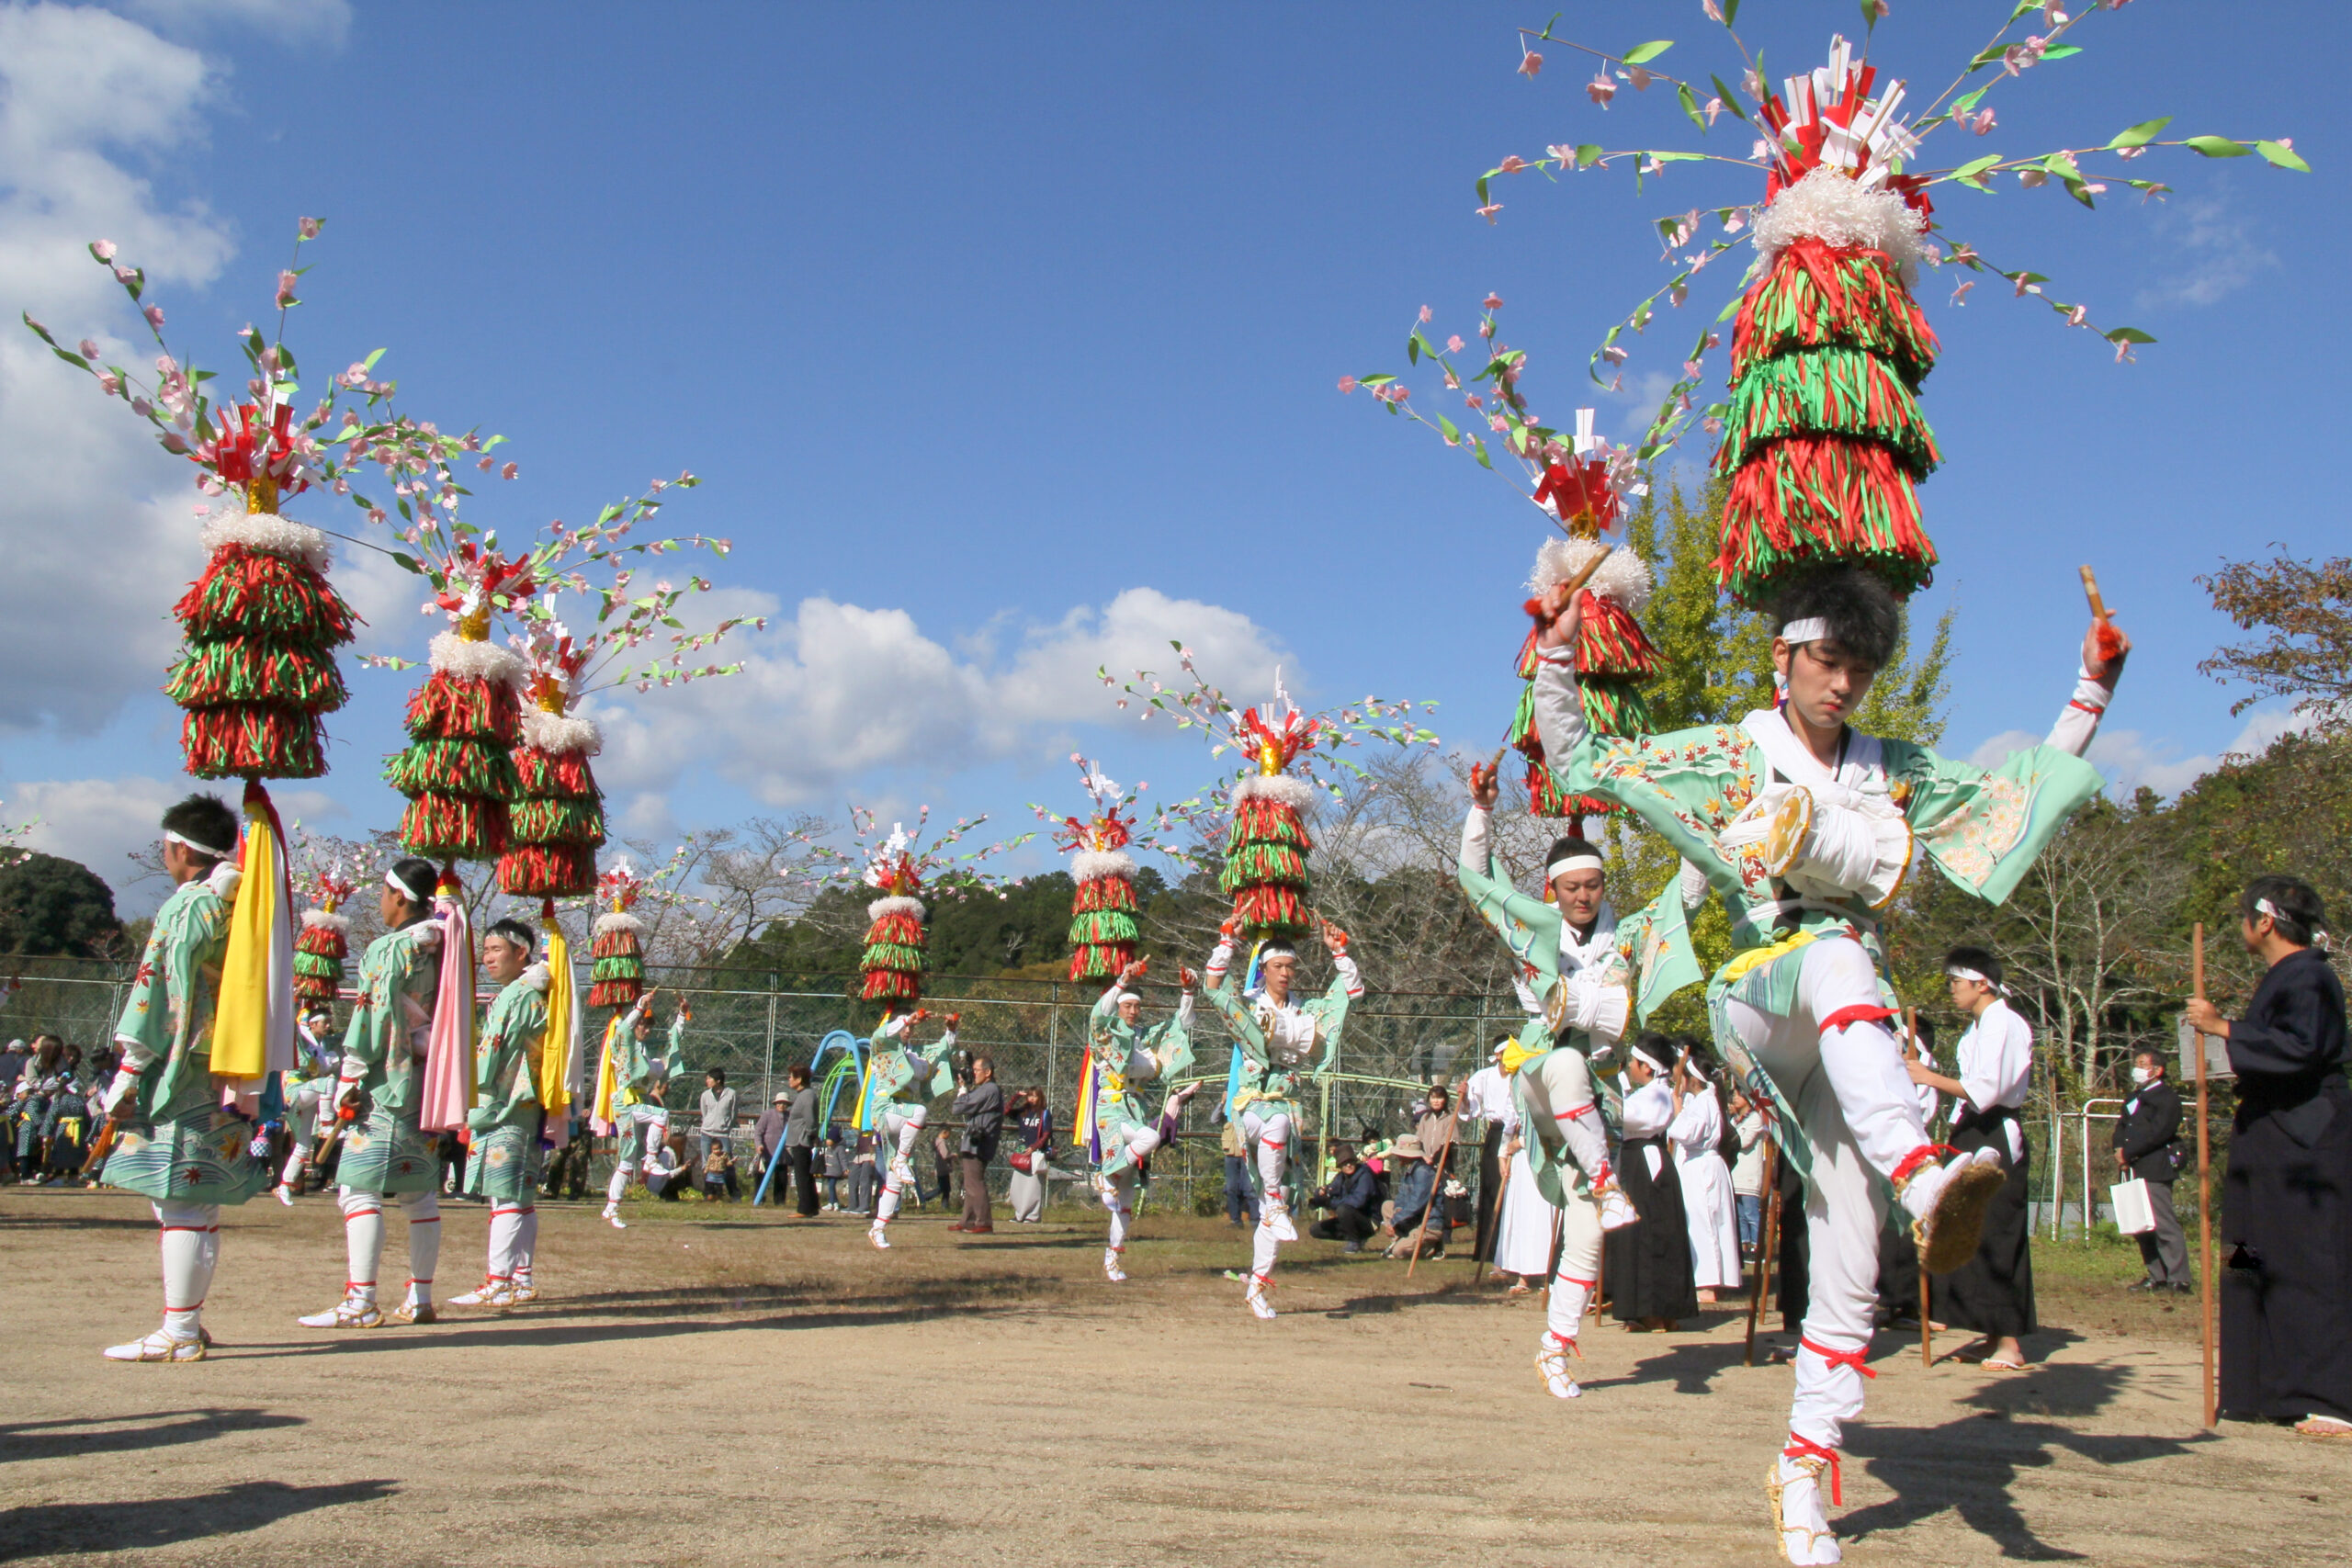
x=69 y=358
x=1452 y=432
x=370 y=361
x=1966 y=103
x=1413 y=349
x=1641 y=53
x=2128 y=334
x=2283 y=156
x=1871 y=12
x=2141 y=134
x=1730 y=309
x=1730 y=98
x=1731 y=12
x=1973 y=172
x=2217 y=147
x=1588 y=154
x=2060 y=52
x=1690 y=106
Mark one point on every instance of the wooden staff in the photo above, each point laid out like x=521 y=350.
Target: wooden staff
x=101 y=1145
x=2204 y=1188
x=1764 y=1247
x=1911 y=1028
x=2109 y=644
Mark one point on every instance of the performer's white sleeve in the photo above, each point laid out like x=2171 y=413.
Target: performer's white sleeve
x=1649 y=1110
x=1527 y=998
x=1184 y=1010
x=1996 y=1059
x=1476 y=855
x=1347 y=969
x=2078 y=721
x=1559 y=703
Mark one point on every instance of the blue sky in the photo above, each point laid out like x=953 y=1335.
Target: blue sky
x=1005 y=339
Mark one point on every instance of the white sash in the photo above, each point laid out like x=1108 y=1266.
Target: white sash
x=1795 y=762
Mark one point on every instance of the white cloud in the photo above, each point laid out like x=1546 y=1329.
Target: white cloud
x=2217 y=254
x=301 y=21
x=100 y=821
x=839 y=690
x=96 y=525
x=2132 y=757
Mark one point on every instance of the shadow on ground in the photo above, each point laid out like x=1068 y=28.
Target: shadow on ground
x=52 y=1530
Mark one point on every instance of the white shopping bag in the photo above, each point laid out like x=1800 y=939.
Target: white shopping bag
x=2135 y=1214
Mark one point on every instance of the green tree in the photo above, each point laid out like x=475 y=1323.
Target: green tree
x=50 y=905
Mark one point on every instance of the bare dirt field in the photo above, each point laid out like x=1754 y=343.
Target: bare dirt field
x=714 y=1385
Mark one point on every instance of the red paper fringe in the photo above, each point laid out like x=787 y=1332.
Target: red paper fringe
x=552 y=774
x=454 y=827
x=448 y=708
x=252 y=740
x=1270 y=908
x=1101 y=961
x=548 y=870
x=892 y=986
x=1822 y=498
x=1103 y=893
x=1258 y=818
x=903 y=930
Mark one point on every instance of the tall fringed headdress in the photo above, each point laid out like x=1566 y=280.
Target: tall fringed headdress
x=558 y=821
x=901 y=869
x=1581 y=490
x=319 y=950
x=463 y=721
x=617 y=978
x=1266 y=850
x=1103 y=932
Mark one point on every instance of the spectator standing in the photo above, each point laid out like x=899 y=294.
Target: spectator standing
x=862 y=1183
x=1487 y=1097
x=768 y=1133
x=1898 y=1250
x=718 y=1124
x=1033 y=1128
x=1420 y=1207
x=2287 y=1195
x=2147 y=1144
x=1747 y=1171
x=981 y=1105
x=942 y=1169
x=801 y=1142
x=1240 y=1179
x=1647 y=1263
x=1353 y=1201
x=1695 y=1135
x=836 y=1155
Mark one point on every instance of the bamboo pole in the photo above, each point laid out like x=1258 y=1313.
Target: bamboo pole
x=2204 y=1194
x=1927 y=1335
x=1764 y=1247
x=1437 y=1189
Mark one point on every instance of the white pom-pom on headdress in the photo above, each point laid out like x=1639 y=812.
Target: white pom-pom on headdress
x=1093 y=866
x=453 y=655
x=1831 y=206
x=617 y=920
x=271 y=535
x=1282 y=788
x=1621 y=577
x=560 y=734
x=331 y=922
x=897 y=904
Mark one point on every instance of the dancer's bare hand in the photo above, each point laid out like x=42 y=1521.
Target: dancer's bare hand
x=1559 y=616
x=1335 y=939
x=1485 y=784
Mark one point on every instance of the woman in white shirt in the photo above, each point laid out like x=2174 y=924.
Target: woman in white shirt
x=1747 y=1170
x=1992 y=1293
x=1694 y=1135
x=1528 y=1223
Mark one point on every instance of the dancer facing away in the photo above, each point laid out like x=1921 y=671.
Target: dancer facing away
x=503 y=1165
x=1124 y=1058
x=642 y=1077
x=1576 y=982
x=176 y=1145
x=1807 y=828
x=376 y=1095
x=309 y=1102
x=1278 y=1039
x=905 y=1077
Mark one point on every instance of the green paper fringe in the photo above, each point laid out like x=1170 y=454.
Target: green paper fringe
x=618 y=967
x=252 y=669
x=452 y=767
x=247 y=592
x=452 y=827
x=902 y=931
x=1270 y=821
x=1101 y=961
x=548 y=777
x=1262 y=862
x=557 y=822
x=252 y=740
x=1826 y=391
x=890 y=955
x=1808 y=499
x=1103 y=926
x=1815 y=295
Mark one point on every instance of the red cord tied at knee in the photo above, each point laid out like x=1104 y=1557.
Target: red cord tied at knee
x=1856 y=1357
x=1805 y=1447
x=1859 y=1013
x=1925 y=1155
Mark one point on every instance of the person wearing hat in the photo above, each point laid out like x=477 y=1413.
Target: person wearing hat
x=1352 y=1197
x=1992 y=1291
x=1278 y=1039
x=1576 y=977
x=1122 y=1059
x=176 y=1145
x=377 y=1098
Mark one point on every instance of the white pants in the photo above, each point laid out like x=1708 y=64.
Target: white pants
x=512 y=1234
x=1269 y=1135
x=363 y=1239
x=901 y=1125
x=1561 y=1110
x=1855 y=1102
x=191 y=1247
x=634 y=1154
x=1119 y=1197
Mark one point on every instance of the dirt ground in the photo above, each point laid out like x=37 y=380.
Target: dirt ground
x=712 y=1386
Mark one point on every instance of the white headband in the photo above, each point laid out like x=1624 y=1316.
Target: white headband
x=1575 y=863
x=1962 y=972
x=393 y=882
x=1654 y=1065
x=173 y=838
x=1813 y=628
x=2265 y=906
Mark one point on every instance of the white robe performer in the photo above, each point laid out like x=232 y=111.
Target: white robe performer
x=1707 y=1205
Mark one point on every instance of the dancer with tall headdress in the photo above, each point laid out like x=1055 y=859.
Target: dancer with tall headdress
x=1120 y=1058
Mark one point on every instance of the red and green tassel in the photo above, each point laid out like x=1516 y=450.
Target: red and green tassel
x=1265 y=856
